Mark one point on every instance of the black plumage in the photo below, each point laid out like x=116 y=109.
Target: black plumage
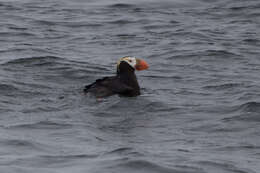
x=124 y=83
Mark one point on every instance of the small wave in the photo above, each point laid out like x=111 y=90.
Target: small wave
x=222 y=167
x=122 y=6
x=9 y=6
x=50 y=160
x=126 y=35
x=254 y=14
x=31 y=85
x=238 y=8
x=55 y=63
x=6 y=88
x=24 y=144
x=19 y=90
x=45 y=22
x=40 y=70
x=164 y=77
x=223 y=86
x=82 y=25
x=246 y=112
x=241 y=21
x=121 y=21
x=120 y=150
x=21 y=34
x=11 y=90
x=238 y=148
x=244 y=7
x=17 y=142
x=252 y=117
x=251 y=40
x=250 y=107
x=68 y=157
x=147 y=166
x=220 y=53
x=3 y=109
x=139 y=106
x=13 y=50
x=159 y=107
x=124 y=151
x=27 y=90
x=40 y=60
x=41 y=109
x=40 y=125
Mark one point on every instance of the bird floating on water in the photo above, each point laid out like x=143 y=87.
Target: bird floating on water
x=124 y=83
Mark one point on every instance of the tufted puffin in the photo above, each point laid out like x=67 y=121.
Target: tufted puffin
x=124 y=83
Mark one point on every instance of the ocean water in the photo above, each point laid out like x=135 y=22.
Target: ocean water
x=199 y=111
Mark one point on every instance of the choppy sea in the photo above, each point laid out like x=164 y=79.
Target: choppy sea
x=199 y=111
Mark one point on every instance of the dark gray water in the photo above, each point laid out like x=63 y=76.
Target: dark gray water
x=199 y=111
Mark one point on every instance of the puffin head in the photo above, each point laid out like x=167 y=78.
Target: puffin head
x=135 y=63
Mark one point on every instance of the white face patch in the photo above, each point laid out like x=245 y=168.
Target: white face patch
x=130 y=60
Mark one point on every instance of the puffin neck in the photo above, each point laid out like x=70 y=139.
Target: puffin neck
x=124 y=67
x=127 y=74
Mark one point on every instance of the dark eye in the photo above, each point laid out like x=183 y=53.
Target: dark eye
x=130 y=60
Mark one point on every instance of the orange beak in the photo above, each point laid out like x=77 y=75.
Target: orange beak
x=141 y=65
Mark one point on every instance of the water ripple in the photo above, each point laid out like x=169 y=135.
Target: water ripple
x=199 y=107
